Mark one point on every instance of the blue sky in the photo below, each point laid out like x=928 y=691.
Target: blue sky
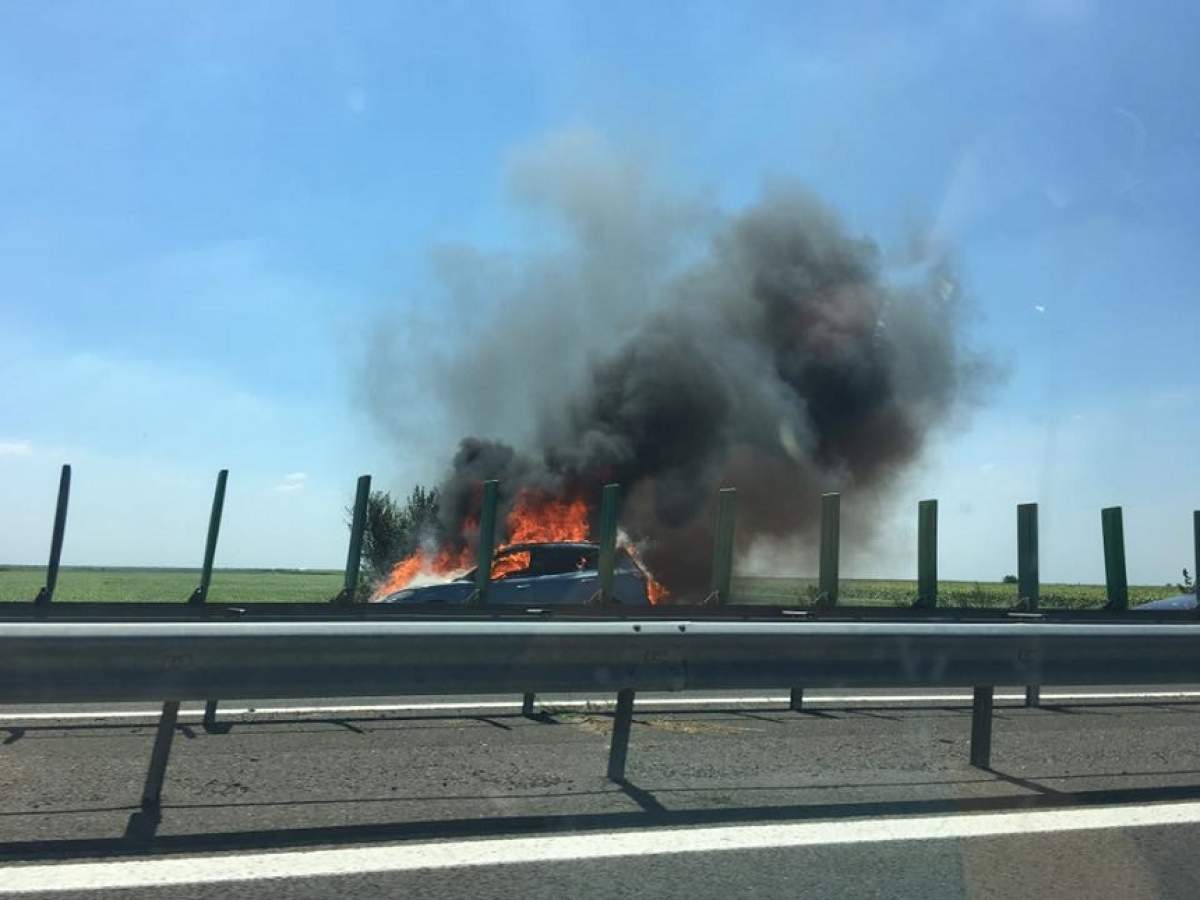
x=204 y=208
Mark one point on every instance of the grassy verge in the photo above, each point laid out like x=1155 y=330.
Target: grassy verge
x=885 y=592
x=133 y=585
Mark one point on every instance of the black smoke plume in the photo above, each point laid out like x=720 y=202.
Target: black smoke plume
x=777 y=359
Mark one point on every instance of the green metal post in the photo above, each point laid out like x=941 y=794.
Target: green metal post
x=618 y=751
x=722 y=567
x=610 y=502
x=200 y=595
x=358 y=523
x=1028 y=580
x=927 y=554
x=1028 y=585
x=981 y=727
x=827 y=580
x=487 y=542
x=827 y=577
x=529 y=699
x=1113 y=527
x=210 y=544
x=46 y=594
x=1196 y=540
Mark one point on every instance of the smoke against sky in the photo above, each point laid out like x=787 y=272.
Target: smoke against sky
x=207 y=208
x=675 y=349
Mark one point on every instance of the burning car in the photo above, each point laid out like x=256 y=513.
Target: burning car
x=1179 y=601
x=540 y=574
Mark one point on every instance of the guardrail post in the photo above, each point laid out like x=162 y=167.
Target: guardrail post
x=200 y=595
x=827 y=580
x=981 y=727
x=927 y=554
x=622 y=724
x=152 y=791
x=1028 y=583
x=358 y=523
x=1196 y=570
x=46 y=594
x=623 y=717
x=722 y=566
x=487 y=543
x=1116 y=582
x=210 y=544
x=827 y=576
x=610 y=502
x=210 y=716
x=527 y=701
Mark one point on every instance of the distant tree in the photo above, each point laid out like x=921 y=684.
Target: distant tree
x=1187 y=586
x=383 y=534
x=1010 y=579
x=396 y=529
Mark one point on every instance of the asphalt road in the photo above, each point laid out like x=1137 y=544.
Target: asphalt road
x=868 y=796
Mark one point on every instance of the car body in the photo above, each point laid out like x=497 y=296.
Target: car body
x=1179 y=601
x=539 y=574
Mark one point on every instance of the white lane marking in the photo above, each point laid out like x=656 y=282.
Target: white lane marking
x=159 y=873
x=197 y=713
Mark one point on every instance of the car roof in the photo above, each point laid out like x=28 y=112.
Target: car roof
x=565 y=545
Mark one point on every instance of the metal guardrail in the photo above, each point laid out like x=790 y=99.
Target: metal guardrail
x=87 y=662
x=268 y=611
x=54 y=661
x=351 y=650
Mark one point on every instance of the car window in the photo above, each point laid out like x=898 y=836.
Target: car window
x=624 y=562
x=511 y=564
x=562 y=560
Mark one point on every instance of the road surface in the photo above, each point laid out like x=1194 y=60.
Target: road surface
x=865 y=793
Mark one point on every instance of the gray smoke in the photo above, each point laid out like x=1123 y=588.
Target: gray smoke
x=676 y=350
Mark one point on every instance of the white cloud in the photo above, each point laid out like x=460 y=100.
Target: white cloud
x=293 y=481
x=16 y=448
x=1039 y=309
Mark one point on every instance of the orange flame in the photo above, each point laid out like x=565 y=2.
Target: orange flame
x=443 y=564
x=656 y=591
x=536 y=517
x=513 y=562
x=404 y=572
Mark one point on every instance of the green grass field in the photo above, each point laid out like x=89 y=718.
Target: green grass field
x=21 y=583
x=141 y=585
x=890 y=592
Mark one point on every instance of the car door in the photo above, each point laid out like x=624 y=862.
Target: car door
x=562 y=588
x=516 y=590
x=565 y=575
